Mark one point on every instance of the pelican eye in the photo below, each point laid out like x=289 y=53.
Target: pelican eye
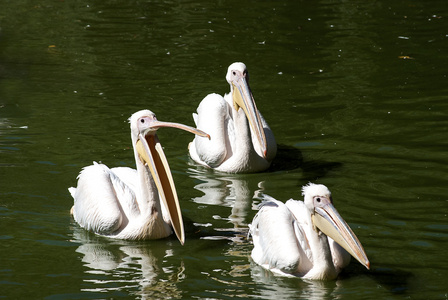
x=234 y=73
x=142 y=121
x=318 y=199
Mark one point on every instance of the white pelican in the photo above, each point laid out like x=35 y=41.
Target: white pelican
x=241 y=140
x=124 y=203
x=305 y=239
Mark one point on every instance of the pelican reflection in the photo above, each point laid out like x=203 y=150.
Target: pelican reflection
x=278 y=287
x=227 y=190
x=137 y=268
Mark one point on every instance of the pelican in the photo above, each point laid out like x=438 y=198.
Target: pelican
x=124 y=203
x=306 y=239
x=241 y=140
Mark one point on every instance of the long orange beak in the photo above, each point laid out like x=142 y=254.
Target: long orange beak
x=328 y=220
x=242 y=97
x=151 y=152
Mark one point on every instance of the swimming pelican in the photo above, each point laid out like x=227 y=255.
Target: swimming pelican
x=124 y=203
x=305 y=239
x=241 y=140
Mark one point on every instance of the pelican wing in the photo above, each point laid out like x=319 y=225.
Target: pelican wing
x=127 y=176
x=302 y=221
x=100 y=209
x=211 y=117
x=341 y=258
x=276 y=235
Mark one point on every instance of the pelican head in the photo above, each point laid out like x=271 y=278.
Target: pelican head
x=326 y=219
x=238 y=78
x=148 y=149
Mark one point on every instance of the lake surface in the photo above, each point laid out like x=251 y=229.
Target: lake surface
x=355 y=92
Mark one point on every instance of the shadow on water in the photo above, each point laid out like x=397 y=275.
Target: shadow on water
x=395 y=281
x=316 y=169
x=290 y=158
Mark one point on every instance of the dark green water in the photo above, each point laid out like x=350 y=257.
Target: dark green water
x=355 y=92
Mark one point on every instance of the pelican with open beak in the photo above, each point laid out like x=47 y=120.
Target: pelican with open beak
x=241 y=140
x=124 y=203
x=306 y=239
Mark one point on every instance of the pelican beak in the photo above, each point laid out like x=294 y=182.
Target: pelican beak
x=150 y=151
x=242 y=97
x=327 y=219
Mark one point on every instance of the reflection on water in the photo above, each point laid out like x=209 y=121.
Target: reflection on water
x=138 y=268
x=228 y=190
x=287 y=288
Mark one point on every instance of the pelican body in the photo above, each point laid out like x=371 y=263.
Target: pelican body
x=307 y=239
x=241 y=140
x=124 y=203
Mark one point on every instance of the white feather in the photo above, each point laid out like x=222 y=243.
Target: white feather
x=233 y=146
x=287 y=242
